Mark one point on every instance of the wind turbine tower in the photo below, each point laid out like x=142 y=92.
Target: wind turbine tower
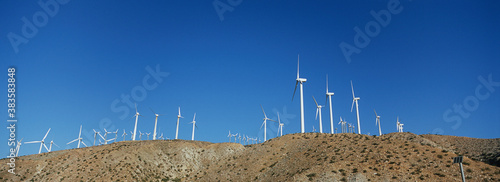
x=194 y=125
x=355 y=99
x=177 y=129
x=377 y=121
x=156 y=121
x=301 y=81
x=265 y=123
x=136 y=118
x=329 y=96
x=318 y=110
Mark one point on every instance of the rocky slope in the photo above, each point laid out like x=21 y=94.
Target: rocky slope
x=293 y=157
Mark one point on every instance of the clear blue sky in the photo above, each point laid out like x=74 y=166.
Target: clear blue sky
x=79 y=63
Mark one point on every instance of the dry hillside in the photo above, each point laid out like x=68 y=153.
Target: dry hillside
x=293 y=157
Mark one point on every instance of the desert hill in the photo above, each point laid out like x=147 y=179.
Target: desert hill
x=293 y=157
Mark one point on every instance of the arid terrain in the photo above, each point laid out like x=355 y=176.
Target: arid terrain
x=293 y=157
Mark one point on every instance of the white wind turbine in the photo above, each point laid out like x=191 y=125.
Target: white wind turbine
x=177 y=129
x=136 y=118
x=377 y=121
x=329 y=97
x=106 y=132
x=397 y=124
x=194 y=125
x=140 y=135
x=229 y=136
x=156 y=122
x=50 y=147
x=342 y=126
x=124 y=134
x=79 y=139
x=18 y=146
x=318 y=110
x=42 y=142
x=148 y=135
x=301 y=81
x=355 y=99
x=95 y=135
x=116 y=134
x=235 y=137
x=265 y=122
x=280 y=126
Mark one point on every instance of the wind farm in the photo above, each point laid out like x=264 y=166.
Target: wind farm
x=231 y=90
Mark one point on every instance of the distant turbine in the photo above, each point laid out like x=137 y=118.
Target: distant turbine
x=18 y=146
x=377 y=121
x=301 y=81
x=95 y=135
x=314 y=130
x=280 y=126
x=194 y=125
x=79 y=139
x=148 y=135
x=116 y=134
x=264 y=123
x=42 y=143
x=229 y=135
x=177 y=129
x=343 y=128
x=140 y=135
x=50 y=147
x=329 y=97
x=136 y=118
x=355 y=99
x=156 y=121
x=124 y=134
x=318 y=110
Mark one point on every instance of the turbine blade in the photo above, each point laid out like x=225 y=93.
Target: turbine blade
x=263 y=111
x=352 y=105
x=46 y=135
x=56 y=145
x=33 y=142
x=315 y=102
x=84 y=144
x=194 y=116
x=152 y=110
x=294 y=90
x=46 y=147
x=260 y=125
x=317 y=109
x=352 y=89
x=279 y=121
x=179 y=111
x=72 y=141
x=375 y=112
x=298 y=63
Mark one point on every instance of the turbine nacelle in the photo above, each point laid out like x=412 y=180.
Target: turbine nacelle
x=301 y=80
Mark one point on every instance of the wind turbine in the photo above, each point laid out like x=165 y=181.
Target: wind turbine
x=355 y=99
x=229 y=135
x=124 y=134
x=329 y=97
x=343 y=128
x=42 y=143
x=397 y=124
x=136 y=118
x=95 y=135
x=50 y=147
x=265 y=122
x=314 y=129
x=177 y=129
x=116 y=135
x=280 y=126
x=79 y=139
x=301 y=81
x=318 y=110
x=140 y=135
x=194 y=125
x=18 y=146
x=377 y=121
x=156 y=121
x=106 y=136
x=148 y=135
x=235 y=137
